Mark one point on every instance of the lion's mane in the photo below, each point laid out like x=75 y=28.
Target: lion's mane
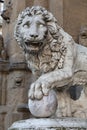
x=54 y=38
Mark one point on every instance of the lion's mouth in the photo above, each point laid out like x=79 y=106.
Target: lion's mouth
x=33 y=46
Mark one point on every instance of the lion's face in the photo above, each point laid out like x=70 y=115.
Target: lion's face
x=35 y=28
x=33 y=31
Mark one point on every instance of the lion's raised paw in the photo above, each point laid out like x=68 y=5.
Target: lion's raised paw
x=38 y=90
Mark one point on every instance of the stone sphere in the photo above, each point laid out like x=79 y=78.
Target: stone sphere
x=45 y=107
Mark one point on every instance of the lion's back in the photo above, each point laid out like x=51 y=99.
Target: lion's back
x=81 y=59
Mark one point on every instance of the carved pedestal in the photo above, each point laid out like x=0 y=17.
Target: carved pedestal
x=50 y=124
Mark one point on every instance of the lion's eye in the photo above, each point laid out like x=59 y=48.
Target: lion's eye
x=26 y=25
x=41 y=25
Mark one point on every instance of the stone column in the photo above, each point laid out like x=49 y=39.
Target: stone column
x=75 y=16
x=56 y=7
x=43 y=3
x=14 y=52
x=29 y=3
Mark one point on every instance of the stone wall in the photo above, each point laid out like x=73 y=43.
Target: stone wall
x=14 y=85
x=14 y=75
x=74 y=16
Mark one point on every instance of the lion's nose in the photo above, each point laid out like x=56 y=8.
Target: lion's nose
x=34 y=35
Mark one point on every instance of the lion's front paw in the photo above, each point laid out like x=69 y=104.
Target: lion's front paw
x=38 y=89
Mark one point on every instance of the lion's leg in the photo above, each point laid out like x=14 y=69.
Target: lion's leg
x=64 y=104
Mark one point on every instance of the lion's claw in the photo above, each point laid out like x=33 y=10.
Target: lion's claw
x=38 y=90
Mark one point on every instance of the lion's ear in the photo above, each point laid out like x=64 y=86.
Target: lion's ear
x=51 y=26
x=51 y=23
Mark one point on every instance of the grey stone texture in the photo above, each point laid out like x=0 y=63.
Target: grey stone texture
x=54 y=61
x=50 y=124
x=71 y=15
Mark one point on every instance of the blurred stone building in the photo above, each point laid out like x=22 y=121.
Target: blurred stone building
x=14 y=74
x=1 y=8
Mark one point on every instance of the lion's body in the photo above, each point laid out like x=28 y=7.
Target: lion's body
x=53 y=56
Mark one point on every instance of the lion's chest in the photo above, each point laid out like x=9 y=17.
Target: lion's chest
x=46 y=61
x=42 y=64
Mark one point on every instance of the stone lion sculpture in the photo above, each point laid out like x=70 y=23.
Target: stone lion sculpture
x=54 y=59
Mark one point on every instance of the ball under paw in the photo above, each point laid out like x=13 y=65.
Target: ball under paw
x=45 y=107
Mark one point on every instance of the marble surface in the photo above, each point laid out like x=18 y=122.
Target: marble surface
x=50 y=124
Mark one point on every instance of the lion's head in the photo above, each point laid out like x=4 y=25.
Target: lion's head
x=33 y=27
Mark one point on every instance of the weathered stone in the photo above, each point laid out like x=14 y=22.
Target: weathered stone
x=3 y=54
x=72 y=22
x=23 y=108
x=50 y=124
x=75 y=92
x=17 y=82
x=57 y=8
x=45 y=107
x=6 y=14
x=4 y=66
x=83 y=36
x=14 y=52
x=54 y=58
x=43 y=3
x=74 y=16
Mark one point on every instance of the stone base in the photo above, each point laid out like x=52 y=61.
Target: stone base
x=50 y=124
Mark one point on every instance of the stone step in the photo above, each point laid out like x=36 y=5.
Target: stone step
x=50 y=124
